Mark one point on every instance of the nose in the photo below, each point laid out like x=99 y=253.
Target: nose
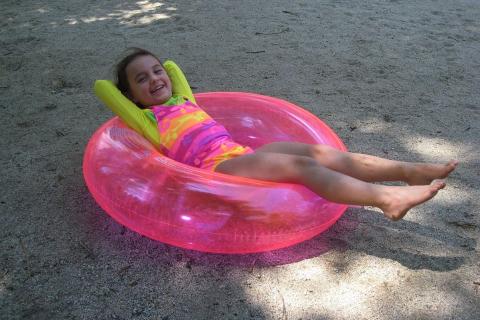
x=154 y=77
x=153 y=82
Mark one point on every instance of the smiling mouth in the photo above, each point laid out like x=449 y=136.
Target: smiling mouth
x=157 y=89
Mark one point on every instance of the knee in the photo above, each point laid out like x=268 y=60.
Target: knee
x=301 y=169
x=321 y=150
x=302 y=164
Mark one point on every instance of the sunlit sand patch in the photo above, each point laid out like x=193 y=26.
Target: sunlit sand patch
x=93 y=19
x=439 y=149
x=368 y=286
x=321 y=291
x=149 y=5
x=71 y=21
x=372 y=126
x=152 y=18
x=146 y=13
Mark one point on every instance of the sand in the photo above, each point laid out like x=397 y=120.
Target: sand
x=398 y=79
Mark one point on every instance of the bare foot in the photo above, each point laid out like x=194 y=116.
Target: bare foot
x=425 y=173
x=399 y=200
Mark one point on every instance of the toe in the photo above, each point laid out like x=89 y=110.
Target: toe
x=453 y=164
x=438 y=184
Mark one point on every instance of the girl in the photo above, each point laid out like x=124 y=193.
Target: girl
x=189 y=135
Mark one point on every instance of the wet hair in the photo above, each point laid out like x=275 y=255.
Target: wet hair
x=121 y=79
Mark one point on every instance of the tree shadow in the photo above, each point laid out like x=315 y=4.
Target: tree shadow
x=315 y=247
x=409 y=246
x=408 y=243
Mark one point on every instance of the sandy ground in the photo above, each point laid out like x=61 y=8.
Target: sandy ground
x=393 y=78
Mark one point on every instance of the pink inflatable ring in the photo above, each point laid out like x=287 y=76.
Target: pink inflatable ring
x=196 y=209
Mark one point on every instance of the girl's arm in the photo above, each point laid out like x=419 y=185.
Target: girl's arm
x=179 y=81
x=133 y=116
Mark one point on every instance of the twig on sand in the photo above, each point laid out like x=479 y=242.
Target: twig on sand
x=291 y=13
x=26 y=255
x=284 y=308
x=253 y=265
x=272 y=33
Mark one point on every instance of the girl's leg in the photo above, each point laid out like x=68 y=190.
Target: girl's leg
x=365 y=167
x=394 y=201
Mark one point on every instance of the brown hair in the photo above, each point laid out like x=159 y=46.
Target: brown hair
x=121 y=79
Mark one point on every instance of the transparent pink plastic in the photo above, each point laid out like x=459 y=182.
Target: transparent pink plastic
x=196 y=209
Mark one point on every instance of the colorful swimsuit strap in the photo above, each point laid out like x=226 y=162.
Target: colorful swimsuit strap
x=141 y=120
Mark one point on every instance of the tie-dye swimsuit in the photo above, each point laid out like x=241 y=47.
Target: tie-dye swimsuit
x=189 y=135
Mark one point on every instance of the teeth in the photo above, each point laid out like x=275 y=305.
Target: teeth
x=157 y=88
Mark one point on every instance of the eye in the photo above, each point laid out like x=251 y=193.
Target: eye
x=141 y=79
x=158 y=71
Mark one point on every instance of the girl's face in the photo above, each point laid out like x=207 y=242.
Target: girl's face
x=149 y=82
